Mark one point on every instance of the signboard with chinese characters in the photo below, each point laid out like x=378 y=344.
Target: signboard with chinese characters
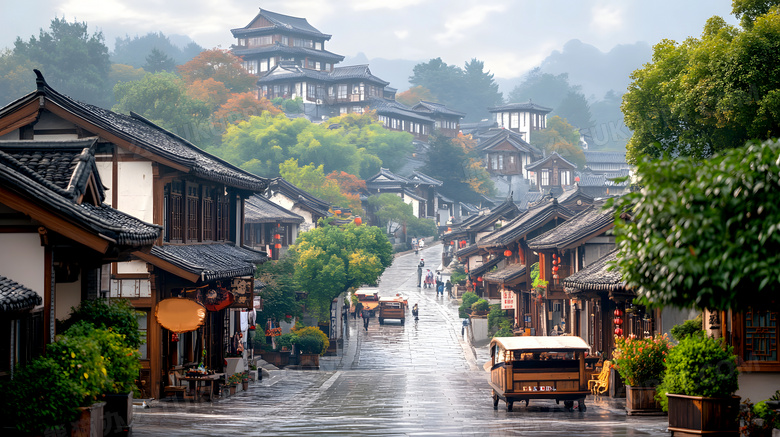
x=507 y=300
x=242 y=288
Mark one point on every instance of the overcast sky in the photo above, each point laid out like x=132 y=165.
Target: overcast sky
x=510 y=36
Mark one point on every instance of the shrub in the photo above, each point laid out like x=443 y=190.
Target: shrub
x=480 y=305
x=641 y=362
x=284 y=341
x=81 y=361
x=458 y=275
x=466 y=301
x=495 y=316
x=121 y=361
x=258 y=341
x=311 y=340
x=119 y=315
x=687 y=328
x=699 y=366
x=504 y=332
x=39 y=398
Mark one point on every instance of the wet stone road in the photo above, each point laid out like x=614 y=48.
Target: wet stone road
x=420 y=378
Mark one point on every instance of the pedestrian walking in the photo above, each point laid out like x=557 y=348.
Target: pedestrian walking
x=429 y=279
x=448 y=287
x=366 y=317
x=415 y=311
x=420 y=266
x=440 y=288
x=465 y=326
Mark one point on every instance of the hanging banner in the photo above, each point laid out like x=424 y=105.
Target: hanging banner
x=216 y=299
x=507 y=300
x=243 y=290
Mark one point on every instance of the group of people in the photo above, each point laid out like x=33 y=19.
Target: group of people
x=418 y=244
x=431 y=281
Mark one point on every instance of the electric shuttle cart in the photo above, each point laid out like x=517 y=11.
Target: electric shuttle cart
x=525 y=368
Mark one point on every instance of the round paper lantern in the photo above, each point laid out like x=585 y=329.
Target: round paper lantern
x=277 y=246
x=618 y=331
x=358 y=221
x=479 y=279
x=618 y=312
x=507 y=253
x=180 y=315
x=277 y=236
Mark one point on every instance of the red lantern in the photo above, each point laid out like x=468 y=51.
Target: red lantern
x=479 y=279
x=358 y=221
x=618 y=312
x=287 y=316
x=278 y=246
x=507 y=253
x=555 y=269
x=618 y=331
x=449 y=229
x=277 y=236
x=618 y=321
x=174 y=337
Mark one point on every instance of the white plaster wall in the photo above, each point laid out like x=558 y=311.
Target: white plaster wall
x=132 y=267
x=26 y=263
x=758 y=386
x=11 y=136
x=51 y=121
x=479 y=329
x=135 y=189
x=67 y=295
x=106 y=170
x=288 y=204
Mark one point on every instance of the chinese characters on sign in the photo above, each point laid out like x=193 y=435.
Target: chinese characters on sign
x=507 y=300
x=242 y=289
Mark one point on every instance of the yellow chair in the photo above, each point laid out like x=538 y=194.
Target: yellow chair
x=599 y=384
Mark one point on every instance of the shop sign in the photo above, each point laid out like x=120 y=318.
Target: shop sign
x=507 y=299
x=242 y=289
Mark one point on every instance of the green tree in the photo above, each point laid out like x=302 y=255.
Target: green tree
x=331 y=259
x=391 y=212
x=450 y=163
x=561 y=137
x=163 y=99
x=278 y=294
x=704 y=233
x=73 y=62
x=576 y=110
x=749 y=10
x=441 y=79
x=555 y=92
x=16 y=76
x=706 y=95
x=312 y=179
x=158 y=61
x=222 y=66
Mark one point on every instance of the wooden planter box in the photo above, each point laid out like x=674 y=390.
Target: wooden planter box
x=278 y=359
x=640 y=401
x=311 y=361
x=89 y=422
x=697 y=415
x=118 y=414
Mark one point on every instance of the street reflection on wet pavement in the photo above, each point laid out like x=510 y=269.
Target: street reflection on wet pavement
x=420 y=378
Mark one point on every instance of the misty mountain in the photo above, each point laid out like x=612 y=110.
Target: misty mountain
x=395 y=71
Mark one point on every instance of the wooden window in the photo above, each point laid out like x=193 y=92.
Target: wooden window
x=545 y=177
x=175 y=224
x=760 y=336
x=223 y=218
x=193 y=213
x=343 y=91
x=208 y=214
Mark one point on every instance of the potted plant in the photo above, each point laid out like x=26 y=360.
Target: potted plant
x=311 y=342
x=640 y=363
x=232 y=382
x=698 y=386
x=757 y=420
x=466 y=301
x=480 y=307
x=245 y=381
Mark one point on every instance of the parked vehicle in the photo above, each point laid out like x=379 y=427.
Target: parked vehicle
x=369 y=298
x=392 y=308
x=528 y=367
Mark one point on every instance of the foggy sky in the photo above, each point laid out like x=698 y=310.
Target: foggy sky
x=511 y=36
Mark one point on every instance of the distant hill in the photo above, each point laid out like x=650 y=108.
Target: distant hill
x=395 y=71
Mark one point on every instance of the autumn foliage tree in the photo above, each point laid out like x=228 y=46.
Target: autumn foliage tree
x=240 y=106
x=414 y=95
x=212 y=92
x=220 y=65
x=312 y=179
x=561 y=137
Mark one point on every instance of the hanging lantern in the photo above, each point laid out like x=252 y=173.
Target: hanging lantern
x=358 y=221
x=479 y=279
x=507 y=253
x=174 y=337
x=277 y=236
x=618 y=331
x=618 y=321
x=288 y=316
x=277 y=246
x=449 y=229
x=618 y=312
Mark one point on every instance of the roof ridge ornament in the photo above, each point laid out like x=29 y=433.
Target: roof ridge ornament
x=40 y=82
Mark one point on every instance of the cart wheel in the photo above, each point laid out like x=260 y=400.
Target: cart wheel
x=509 y=405
x=581 y=406
x=569 y=405
x=495 y=402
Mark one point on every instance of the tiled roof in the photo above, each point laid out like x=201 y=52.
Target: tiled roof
x=355 y=72
x=476 y=223
x=471 y=209
x=436 y=108
x=590 y=222
x=211 y=261
x=467 y=251
x=281 y=22
x=144 y=134
x=386 y=106
x=484 y=268
x=300 y=197
x=534 y=165
x=410 y=193
x=602 y=179
x=101 y=220
x=528 y=106
x=515 y=139
x=599 y=276
x=524 y=224
x=422 y=178
x=289 y=50
x=258 y=209
x=16 y=297
x=387 y=179
x=506 y=274
x=605 y=157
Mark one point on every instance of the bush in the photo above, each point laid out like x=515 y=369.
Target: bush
x=699 y=366
x=39 y=398
x=504 y=332
x=687 y=328
x=121 y=361
x=284 y=341
x=480 y=305
x=311 y=340
x=81 y=361
x=466 y=301
x=119 y=316
x=495 y=316
x=258 y=341
x=641 y=362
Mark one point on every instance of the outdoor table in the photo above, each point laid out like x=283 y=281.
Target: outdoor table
x=197 y=380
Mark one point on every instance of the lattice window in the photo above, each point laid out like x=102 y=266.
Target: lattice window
x=760 y=335
x=193 y=202
x=223 y=218
x=175 y=211
x=208 y=214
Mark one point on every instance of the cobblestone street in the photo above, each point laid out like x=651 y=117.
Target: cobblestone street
x=420 y=378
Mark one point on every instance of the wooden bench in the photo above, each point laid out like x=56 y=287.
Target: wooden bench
x=174 y=389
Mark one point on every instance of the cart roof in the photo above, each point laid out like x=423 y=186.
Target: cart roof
x=366 y=292
x=392 y=299
x=540 y=343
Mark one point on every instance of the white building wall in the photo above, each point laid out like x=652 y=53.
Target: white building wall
x=68 y=295
x=26 y=263
x=135 y=189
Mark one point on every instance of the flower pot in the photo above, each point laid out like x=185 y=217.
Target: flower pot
x=694 y=415
x=89 y=422
x=640 y=401
x=245 y=385
x=310 y=361
x=232 y=390
x=118 y=414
